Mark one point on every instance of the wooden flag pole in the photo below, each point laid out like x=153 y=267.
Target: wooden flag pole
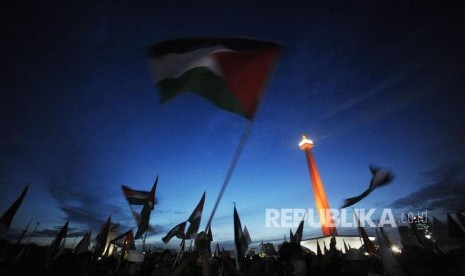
x=232 y=166
x=179 y=253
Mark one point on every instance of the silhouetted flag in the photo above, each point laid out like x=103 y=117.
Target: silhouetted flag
x=55 y=246
x=239 y=238
x=190 y=247
x=367 y=243
x=461 y=216
x=101 y=239
x=229 y=72
x=454 y=229
x=227 y=265
x=385 y=236
x=217 y=251
x=180 y=254
x=138 y=219
x=195 y=219
x=318 y=249
x=7 y=217
x=209 y=234
x=177 y=231
x=83 y=244
x=390 y=264
x=23 y=233
x=346 y=249
x=126 y=237
x=144 y=221
x=136 y=197
x=247 y=235
x=298 y=234
x=380 y=177
x=440 y=233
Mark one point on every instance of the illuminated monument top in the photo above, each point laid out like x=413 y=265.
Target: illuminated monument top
x=305 y=143
x=318 y=190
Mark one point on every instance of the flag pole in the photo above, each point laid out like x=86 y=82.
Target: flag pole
x=179 y=253
x=32 y=233
x=143 y=242
x=232 y=166
x=23 y=233
x=75 y=237
x=240 y=147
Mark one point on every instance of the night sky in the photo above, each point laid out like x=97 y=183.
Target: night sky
x=379 y=83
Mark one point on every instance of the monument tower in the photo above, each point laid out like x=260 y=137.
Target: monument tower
x=322 y=204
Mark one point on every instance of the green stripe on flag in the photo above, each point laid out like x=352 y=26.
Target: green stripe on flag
x=205 y=83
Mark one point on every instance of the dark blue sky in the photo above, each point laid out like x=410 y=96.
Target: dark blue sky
x=368 y=82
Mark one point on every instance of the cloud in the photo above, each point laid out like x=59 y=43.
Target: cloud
x=446 y=193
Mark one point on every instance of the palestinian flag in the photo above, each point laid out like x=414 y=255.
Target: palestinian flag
x=195 y=218
x=101 y=239
x=177 y=231
x=229 y=72
x=55 y=246
x=239 y=238
x=367 y=243
x=298 y=234
x=136 y=197
x=128 y=243
x=380 y=177
x=127 y=237
x=7 y=217
x=144 y=221
x=83 y=245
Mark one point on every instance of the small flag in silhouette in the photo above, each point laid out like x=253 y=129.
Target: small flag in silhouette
x=380 y=178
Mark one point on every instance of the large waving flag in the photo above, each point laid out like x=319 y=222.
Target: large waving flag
x=229 y=72
x=380 y=177
x=101 y=239
x=177 y=231
x=136 y=197
x=7 y=217
x=195 y=218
